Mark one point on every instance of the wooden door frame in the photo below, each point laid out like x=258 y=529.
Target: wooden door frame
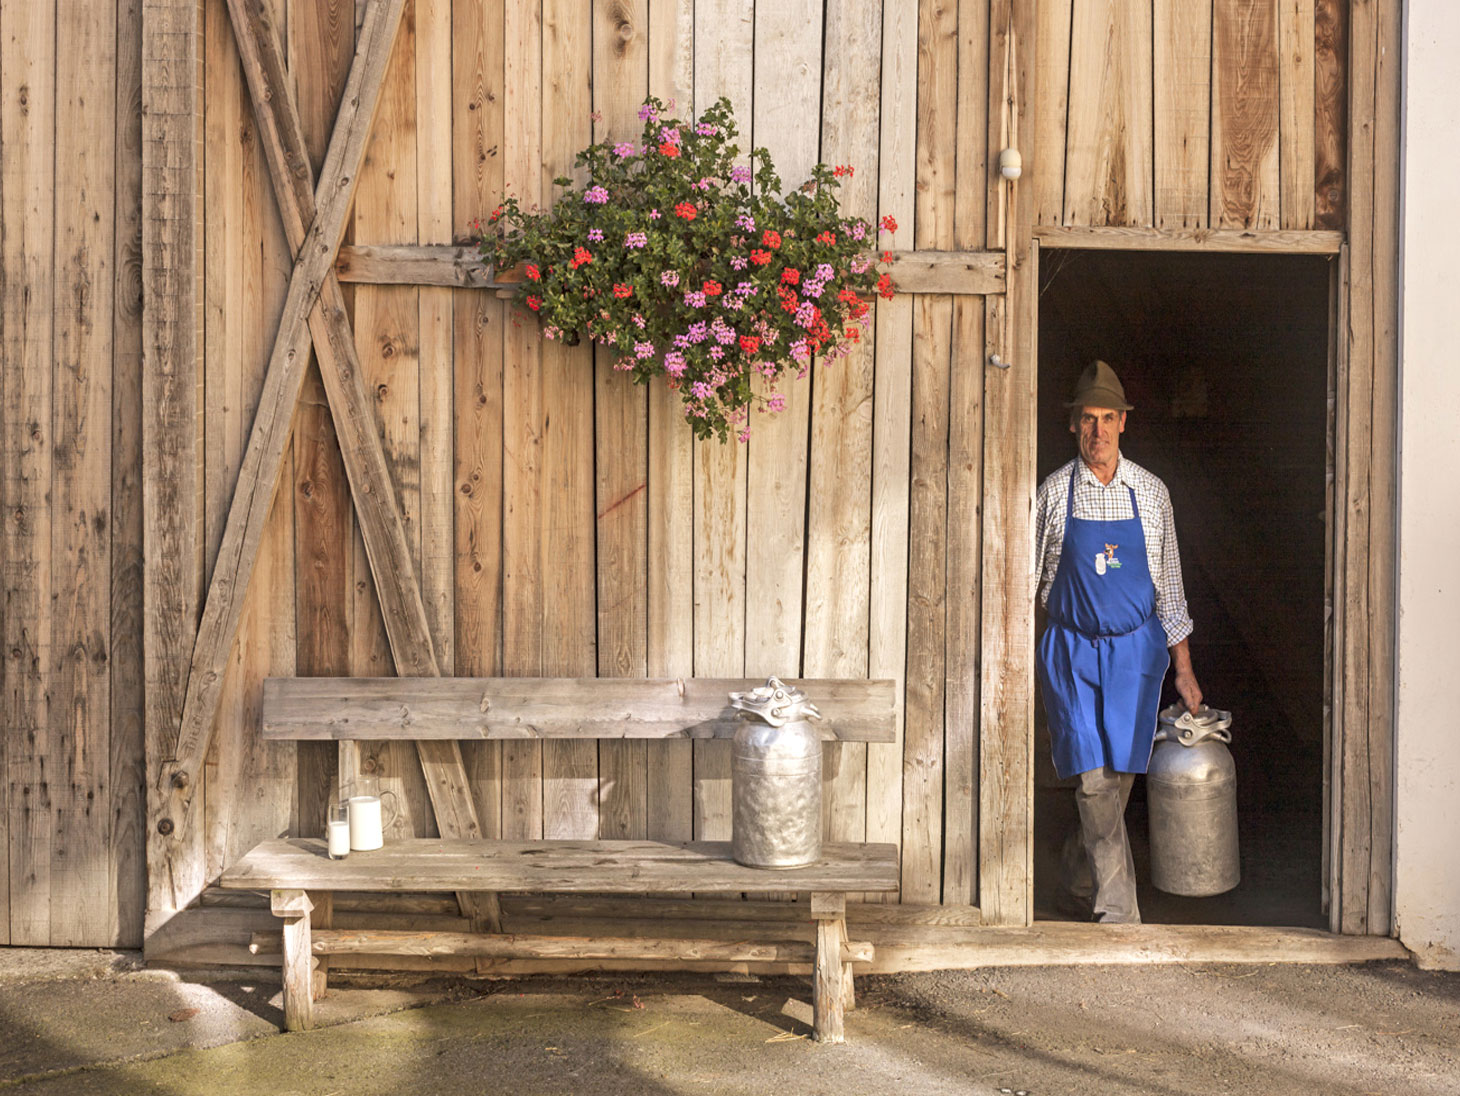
x=1358 y=757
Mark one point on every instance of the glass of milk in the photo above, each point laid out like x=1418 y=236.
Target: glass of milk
x=337 y=830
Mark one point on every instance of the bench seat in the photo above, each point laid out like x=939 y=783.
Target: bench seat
x=298 y=872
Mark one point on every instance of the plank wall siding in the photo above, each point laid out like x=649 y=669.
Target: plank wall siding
x=559 y=521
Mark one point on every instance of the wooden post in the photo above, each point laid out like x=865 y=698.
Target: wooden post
x=1006 y=831
x=294 y=907
x=171 y=342
x=828 y=987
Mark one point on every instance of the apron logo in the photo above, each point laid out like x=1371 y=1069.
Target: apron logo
x=1106 y=560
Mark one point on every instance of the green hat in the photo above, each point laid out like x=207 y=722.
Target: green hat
x=1099 y=387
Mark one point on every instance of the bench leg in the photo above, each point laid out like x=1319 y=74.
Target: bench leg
x=322 y=917
x=828 y=987
x=294 y=907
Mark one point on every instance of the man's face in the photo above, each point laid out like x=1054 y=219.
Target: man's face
x=1099 y=430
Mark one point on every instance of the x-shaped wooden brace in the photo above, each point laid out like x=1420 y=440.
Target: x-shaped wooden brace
x=314 y=311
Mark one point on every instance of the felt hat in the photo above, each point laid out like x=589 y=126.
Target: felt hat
x=1099 y=387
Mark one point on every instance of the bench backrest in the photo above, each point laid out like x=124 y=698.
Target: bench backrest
x=418 y=708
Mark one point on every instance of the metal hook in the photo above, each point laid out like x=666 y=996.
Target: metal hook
x=998 y=362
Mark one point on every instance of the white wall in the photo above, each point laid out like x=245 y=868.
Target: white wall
x=1427 y=835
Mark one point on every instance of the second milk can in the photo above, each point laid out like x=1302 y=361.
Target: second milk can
x=776 y=779
x=1191 y=790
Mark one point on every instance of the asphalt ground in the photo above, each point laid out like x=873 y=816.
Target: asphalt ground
x=98 y=1023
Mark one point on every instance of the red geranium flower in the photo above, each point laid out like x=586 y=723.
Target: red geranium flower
x=670 y=150
x=534 y=303
x=770 y=238
x=884 y=286
x=791 y=276
x=581 y=256
x=759 y=257
x=889 y=223
x=713 y=289
x=749 y=343
x=686 y=211
x=826 y=238
x=621 y=291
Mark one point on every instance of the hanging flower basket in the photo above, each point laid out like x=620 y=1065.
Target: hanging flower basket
x=669 y=257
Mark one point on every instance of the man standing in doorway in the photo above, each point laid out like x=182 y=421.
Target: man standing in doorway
x=1110 y=579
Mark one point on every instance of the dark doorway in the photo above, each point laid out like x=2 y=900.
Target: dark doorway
x=1225 y=358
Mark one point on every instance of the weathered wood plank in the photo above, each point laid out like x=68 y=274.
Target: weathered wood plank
x=724 y=32
x=785 y=94
x=670 y=493
x=621 y=428
x=27 y=205
x=1245 y=111
x=1052 y=108
x=1296 y=117
x=964 y=469
x=452 y=265
x=246 y=281
x=477 y=59
x=171 y=347
x=1183 y=112
x=321 y=45
x=128 y=757
x=526 y=946
x=963 y=630
x=937 y=99
x=607 y=867
x=1330 y=121
x=1383 y=521
x=522 y=409
x=259 y=474
x=1108 y=168
x=435 y=356
x=839 y=522
x=76 y=764
x=923 y=758
x=1005 y=827
x=892 y=425
x=1364 y=750
x=387 y=346
x=567 y=536
x=423 y=709
x=460 y=266
x=1316 y=242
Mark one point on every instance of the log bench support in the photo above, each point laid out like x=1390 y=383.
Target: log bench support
x=300 y=990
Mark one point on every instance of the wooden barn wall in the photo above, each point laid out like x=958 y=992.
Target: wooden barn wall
x=71 y=757
x=1191 y=114
x=562 y=521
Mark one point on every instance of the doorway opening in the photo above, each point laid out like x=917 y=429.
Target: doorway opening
x=1226 y=360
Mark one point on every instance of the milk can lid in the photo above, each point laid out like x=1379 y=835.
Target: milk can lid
x=776 y=703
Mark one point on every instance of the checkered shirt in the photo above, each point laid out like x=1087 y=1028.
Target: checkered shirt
x=1111 y=502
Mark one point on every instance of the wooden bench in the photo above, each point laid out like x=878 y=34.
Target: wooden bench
x=301 y=877
x=297 y=871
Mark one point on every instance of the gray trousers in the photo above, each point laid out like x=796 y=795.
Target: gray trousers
x=1096 y=861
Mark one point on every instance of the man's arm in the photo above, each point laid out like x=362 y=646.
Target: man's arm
x=1186 y=686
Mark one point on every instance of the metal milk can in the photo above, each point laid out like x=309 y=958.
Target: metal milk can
x=1191 y=790
x=776 y=779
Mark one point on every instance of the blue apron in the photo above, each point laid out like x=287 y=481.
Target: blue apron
x=1103 y=656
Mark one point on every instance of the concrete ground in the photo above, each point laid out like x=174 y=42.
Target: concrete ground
x=97 y=1023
